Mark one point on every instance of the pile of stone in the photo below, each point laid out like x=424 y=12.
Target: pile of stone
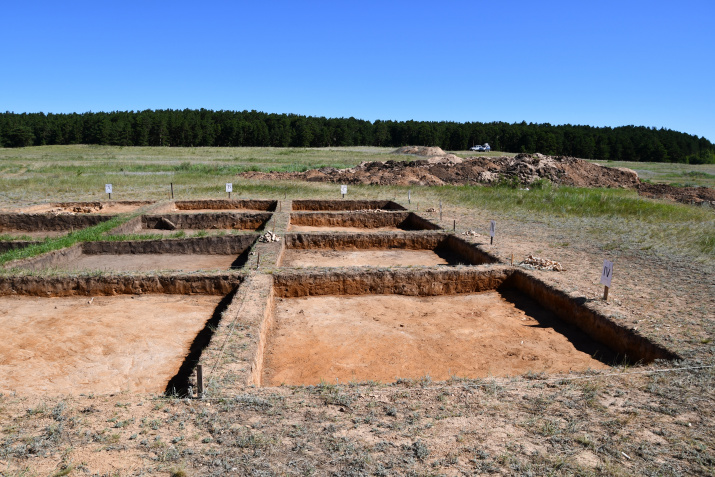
x=269 y=237
x=542 y=264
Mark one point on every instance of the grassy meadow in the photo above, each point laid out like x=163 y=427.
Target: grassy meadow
x=78 y=173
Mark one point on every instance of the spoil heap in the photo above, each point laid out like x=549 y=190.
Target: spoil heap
x=449 y=169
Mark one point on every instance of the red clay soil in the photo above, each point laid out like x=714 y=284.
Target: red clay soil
x=337 y=228
x=360 y=258
x=525 y=167
x=146 y=262
x=385 y=337
x=115 y=343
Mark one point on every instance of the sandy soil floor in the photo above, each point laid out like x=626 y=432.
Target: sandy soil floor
x=118 y=343
x=310 y=228
x=191 y=232
x=209 y=211
x=385 y=337
x=148 y=261
x=360 y=258
x=106 y=209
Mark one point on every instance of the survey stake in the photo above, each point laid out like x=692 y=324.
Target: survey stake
x=606 y=276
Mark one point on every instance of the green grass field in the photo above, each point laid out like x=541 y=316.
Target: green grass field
x=67 y=173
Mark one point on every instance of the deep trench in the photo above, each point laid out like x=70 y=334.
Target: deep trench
x=179 y=384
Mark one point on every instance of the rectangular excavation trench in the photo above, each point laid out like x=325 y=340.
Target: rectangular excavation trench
x=39 y=226
x=224 y=205
x=204 y=221
x=94 y=207
x=358 y=222
x=91 y=335
x=337 y=205
x=190 y=254
x=189 y=224
x=408 y=324
x=379 y=250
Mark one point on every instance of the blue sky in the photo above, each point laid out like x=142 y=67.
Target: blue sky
x=602 y=63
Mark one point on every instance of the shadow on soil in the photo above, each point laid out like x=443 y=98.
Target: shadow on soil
x=241 y=260
x=580 y=340
x=178 y=385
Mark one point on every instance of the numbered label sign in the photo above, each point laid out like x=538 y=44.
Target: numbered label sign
x=343 y=189
x=229 y=187
x=607 y=273
x=492 y=228
x=107 y=188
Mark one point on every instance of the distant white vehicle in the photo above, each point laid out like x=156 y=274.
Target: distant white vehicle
x=478 y=147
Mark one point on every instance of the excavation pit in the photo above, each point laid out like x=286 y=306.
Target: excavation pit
x=93 y=340
x=337 y=205
x=100 y=207
x=191 y=254
x=39 y=226
x=223 y=205
x=171 y=223
x=379 y=250
x=407 y=324
x=377 y=221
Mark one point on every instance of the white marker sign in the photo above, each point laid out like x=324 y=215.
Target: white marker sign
x=607 y=273
x=107 y=188
x=343 y=189
x=492 y=228
x=229 y=187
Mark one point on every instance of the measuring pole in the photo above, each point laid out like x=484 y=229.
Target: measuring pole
x=172 y=190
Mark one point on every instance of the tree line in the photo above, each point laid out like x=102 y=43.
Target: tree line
x=197 y=128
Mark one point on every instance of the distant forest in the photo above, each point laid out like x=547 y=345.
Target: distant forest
x=195 y=128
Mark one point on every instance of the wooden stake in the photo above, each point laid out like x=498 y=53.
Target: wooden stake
x=440 y=210
x=605 y=293
x=258 y=260
x=512 y=259
x=110 y=196
x=491 y=240
x=229 y=195
x=455 y=225
x=199 y=381
x=280 y=206
x=172 y=190
x=409 y=196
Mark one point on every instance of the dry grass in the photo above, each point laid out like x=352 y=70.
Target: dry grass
x=627 y=421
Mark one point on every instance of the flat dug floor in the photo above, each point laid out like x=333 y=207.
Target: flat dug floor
x=145 y=262
x=115 y=343
x=337 y=228
x=385 y=337
x=360 y=258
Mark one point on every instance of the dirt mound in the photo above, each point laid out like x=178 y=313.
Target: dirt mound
x=687 y=195
x=420 y=151
x=440 y=170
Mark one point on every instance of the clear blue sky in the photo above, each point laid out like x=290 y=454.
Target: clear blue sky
x=603 y=63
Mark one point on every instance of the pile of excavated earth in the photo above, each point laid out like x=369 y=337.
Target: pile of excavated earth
x=432 y=166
